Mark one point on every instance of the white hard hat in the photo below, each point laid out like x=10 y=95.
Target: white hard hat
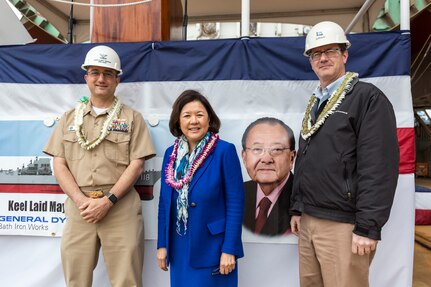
x=325 y=33
x=102 y=56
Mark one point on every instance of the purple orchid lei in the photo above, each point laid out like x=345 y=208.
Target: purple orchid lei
x=170 y=179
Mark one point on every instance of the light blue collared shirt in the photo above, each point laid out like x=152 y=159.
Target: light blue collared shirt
x=324 y=94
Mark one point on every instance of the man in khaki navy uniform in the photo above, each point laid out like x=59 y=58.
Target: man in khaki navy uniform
x=99 y=149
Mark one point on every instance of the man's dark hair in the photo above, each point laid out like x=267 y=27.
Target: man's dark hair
x=272 y=122
x=343 y=47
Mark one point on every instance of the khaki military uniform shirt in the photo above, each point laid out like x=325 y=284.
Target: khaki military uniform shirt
x=129 y=139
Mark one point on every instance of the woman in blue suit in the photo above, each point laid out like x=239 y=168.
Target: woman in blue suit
x=201 y=199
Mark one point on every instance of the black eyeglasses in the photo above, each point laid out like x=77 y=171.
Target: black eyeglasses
x=106 y=74
x=330 y=53
x=273 y=151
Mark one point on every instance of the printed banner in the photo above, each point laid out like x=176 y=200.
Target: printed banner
x=243 y=79
x=32 y=214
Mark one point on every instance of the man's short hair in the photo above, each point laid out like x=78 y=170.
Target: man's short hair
x=270 y=121
x=343 y=47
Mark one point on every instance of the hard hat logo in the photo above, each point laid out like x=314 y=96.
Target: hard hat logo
x=319 y=36
x=102 y=56
x=325 y=33
x=103 y=59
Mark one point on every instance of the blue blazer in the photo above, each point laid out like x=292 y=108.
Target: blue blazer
x=216 y=204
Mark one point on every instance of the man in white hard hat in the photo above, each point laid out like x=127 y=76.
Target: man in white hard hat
x=99 y=149
x=346 y=170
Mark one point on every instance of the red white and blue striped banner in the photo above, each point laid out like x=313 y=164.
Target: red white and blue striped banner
x=244 y=79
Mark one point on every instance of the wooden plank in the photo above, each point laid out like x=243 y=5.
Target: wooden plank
x=158 y=20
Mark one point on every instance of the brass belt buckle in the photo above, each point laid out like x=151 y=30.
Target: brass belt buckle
x=95 y=194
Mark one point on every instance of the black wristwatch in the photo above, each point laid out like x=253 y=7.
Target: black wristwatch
x=112 y=197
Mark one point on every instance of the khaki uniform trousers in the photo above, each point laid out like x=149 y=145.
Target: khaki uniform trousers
x=121 y=236
x=325 y=255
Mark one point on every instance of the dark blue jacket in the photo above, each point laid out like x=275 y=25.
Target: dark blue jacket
x=216 y=203
x=348 y=170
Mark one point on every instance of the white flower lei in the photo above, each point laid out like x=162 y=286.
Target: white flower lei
x=308 y=129
x=113 y=114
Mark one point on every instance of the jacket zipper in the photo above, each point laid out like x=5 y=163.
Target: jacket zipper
x=346 y=182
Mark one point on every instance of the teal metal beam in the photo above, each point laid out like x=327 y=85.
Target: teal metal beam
x=30 y=13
